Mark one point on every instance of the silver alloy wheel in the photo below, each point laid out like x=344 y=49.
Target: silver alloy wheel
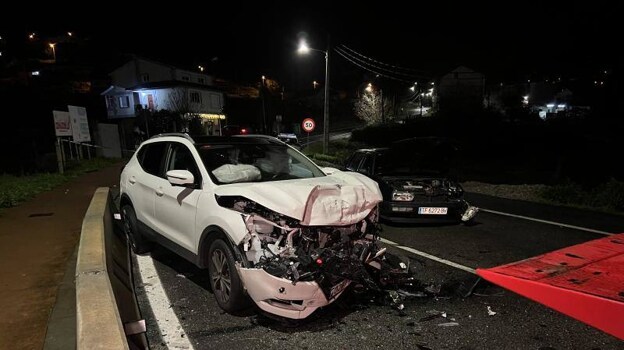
x=221 y=275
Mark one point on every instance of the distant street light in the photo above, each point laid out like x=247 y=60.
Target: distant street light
x=201 y=68
x=52 y=46
x=31 y=36
x=369 y=87
x=305 y=49
x=70 y=34
x=314 y=84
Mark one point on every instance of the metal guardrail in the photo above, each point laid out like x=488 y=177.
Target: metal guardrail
x=98 y=323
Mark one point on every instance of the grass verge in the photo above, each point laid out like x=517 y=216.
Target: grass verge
x=607 y=197
x=17 y=189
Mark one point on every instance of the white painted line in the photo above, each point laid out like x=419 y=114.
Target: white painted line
x=547 y=222
x=172 y=332
x=432 y=257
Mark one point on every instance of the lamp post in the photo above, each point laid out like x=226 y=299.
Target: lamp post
x=305 y=49
x=52 y=46
x=262 y=92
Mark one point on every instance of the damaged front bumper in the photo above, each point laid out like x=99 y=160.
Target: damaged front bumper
x=408 y=212
x=279 y=296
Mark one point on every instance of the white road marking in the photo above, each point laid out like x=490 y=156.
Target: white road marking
x=172 y=332
x=547 y=222
x=429 y=256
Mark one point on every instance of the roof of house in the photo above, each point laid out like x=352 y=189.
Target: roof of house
x=172 y=84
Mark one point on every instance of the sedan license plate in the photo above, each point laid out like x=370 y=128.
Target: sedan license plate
x=432 y=211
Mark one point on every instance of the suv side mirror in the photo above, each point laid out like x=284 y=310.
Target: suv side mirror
x=182 y=178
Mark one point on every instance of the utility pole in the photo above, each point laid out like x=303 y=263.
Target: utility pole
x=421 y=98
x=264 y=128
x=326 y=107
x=383 y=119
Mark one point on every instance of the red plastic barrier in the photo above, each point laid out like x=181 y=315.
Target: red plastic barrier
x=585 y=281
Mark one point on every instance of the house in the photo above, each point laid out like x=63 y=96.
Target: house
x=144 y=84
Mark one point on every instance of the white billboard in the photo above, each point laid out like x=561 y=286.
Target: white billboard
x=62 y=123
x=79 y=123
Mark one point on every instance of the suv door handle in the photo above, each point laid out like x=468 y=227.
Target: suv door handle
x=132 y=180
x=159 y=192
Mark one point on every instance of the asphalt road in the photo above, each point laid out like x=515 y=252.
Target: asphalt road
x=494 y=239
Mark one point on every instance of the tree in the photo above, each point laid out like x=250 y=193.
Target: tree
x=368 y=108
x=181 y=107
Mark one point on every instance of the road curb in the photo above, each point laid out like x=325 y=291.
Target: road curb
x=61 y=329
x=98 y=324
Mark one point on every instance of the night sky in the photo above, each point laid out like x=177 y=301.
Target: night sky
x=506 y=40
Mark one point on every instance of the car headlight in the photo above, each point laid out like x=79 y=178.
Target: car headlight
x=402 y=196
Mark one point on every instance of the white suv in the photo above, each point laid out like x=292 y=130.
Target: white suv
x=265 y=220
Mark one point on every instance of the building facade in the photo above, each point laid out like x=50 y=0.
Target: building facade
x=142 y=84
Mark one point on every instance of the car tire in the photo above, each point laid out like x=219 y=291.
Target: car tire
x=138 y=243
x=224 y=280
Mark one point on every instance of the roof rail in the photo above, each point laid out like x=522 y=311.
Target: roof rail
x=259 y=136
x=175 y=134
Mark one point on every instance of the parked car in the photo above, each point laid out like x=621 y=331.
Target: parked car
x=414 y=178
x=268 y=224
x=290 y=139
x=231 y=130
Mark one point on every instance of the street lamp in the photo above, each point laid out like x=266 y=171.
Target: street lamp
x=52 y=46
x=303 y=50
x=370 y=89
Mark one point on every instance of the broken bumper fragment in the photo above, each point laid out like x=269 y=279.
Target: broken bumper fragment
x=279 y=296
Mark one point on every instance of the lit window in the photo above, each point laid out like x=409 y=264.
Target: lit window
x=195 y=97
x=124 y=101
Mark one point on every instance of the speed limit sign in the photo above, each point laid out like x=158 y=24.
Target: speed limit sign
x=308 y=124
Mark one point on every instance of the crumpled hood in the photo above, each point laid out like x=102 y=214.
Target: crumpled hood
x=339 y=199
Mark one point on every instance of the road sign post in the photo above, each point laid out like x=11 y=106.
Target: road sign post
x=308 y=126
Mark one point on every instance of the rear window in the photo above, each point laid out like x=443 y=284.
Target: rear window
x=150 y=157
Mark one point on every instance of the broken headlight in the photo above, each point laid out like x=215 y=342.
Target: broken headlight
x=455 y=190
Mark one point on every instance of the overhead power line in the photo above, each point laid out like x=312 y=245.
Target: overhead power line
x=381 y=69
x=346 y=57
x=345 y=47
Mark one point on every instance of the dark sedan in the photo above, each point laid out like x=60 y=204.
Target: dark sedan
x=414 y=178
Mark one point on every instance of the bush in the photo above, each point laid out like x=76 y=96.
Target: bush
x=609 y=195
x=565 y=193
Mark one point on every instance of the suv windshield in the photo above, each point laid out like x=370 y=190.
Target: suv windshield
x=251 y=162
